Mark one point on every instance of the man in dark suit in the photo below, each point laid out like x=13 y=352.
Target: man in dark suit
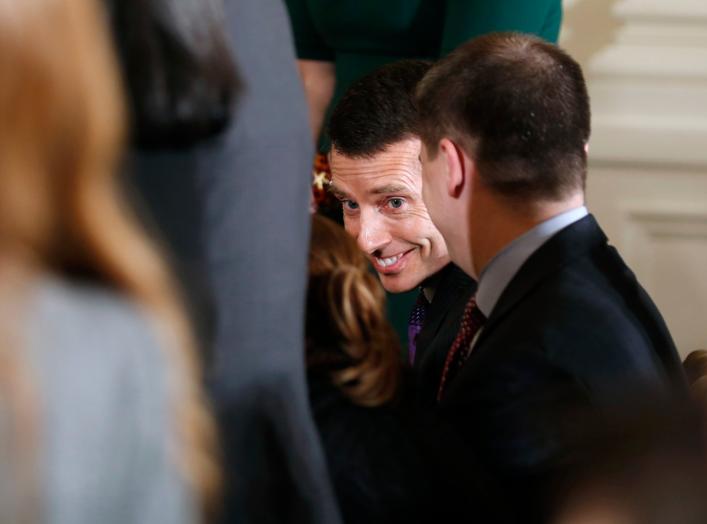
x=558 y=323
x=376 y=174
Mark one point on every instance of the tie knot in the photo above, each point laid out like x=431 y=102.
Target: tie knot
x=417 y=315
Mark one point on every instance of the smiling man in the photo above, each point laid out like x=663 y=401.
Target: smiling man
x=383 y=208
x=376 y=174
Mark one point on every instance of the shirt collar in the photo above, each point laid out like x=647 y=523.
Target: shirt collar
x=503 y=267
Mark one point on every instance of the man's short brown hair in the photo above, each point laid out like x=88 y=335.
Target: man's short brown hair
x=518 y=106
x=378 y=110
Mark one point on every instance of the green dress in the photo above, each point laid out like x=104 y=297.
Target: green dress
x=361 y=35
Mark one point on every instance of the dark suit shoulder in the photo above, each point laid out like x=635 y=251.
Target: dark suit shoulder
x=590 y=335
x=573 y=330
x=586 y=314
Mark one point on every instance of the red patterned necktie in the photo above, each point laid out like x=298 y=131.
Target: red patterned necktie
x=472 y=320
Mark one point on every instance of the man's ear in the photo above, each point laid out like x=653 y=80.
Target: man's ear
x=457 y=165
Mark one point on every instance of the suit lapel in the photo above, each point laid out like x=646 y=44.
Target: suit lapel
x=453 y=284
x=569 y=243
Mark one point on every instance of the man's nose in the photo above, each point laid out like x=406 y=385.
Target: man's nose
x=373 y=234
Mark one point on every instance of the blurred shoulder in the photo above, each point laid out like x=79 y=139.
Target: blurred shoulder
x=85 y=338
x=104 y=389
x=82 y=314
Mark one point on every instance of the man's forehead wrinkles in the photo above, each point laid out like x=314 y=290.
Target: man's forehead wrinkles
x=405 y=173
x=381 y=161
x=372 y=167
x=397 y=170
x=333 y=188
x=375 y=183
x=392 y=187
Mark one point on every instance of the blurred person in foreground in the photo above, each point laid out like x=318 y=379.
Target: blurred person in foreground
x=100 y=397
x=645 y=465
x=220 y=154
x=388 y=464
x=558 y=321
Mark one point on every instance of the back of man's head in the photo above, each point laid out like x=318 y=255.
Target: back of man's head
x=518 y=106
x=378 y=110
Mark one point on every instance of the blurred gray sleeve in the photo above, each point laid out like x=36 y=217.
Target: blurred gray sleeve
x=254 y=183
x=108 y=424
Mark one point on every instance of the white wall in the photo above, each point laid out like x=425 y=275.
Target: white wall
x=646 y=65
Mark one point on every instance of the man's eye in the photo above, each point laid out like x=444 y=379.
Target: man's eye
x=396 y=203
x=349 y=204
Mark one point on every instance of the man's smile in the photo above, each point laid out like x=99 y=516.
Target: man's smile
x=391 y=264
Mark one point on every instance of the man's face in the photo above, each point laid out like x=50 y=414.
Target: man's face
x=383 y=209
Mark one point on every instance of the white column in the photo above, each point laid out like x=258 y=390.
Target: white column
x=649 y=86
x=646 y=67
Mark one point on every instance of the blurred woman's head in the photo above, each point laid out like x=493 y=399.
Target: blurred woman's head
x=179 y=73
x=61 y=212
x=347 y=330
x=61 y=122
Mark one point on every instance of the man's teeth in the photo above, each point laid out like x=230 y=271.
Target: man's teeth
x=385 y=262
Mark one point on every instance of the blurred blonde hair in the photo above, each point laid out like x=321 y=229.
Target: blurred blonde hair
x=61 y=137
x=347 y=329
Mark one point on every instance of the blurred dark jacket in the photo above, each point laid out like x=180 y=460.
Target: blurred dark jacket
x=397 y=464
x=233 y=212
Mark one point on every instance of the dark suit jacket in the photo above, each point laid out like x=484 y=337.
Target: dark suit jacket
x=453 y=289
x=573 y=330
x=453 y=481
